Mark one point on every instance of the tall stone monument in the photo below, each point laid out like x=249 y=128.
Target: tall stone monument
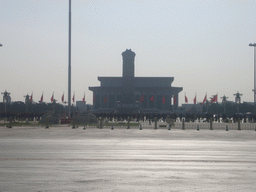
x=128 y=99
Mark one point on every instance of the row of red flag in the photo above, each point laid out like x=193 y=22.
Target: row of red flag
x=52 y=98
x=213 y=99
x=142 y=99
x=163 y=99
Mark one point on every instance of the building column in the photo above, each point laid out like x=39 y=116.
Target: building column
x=100 y=104
x=177 y=100
x=148 y=99
x=155 y=99
x=93 y=103
x=171 y=98
x=115 y=100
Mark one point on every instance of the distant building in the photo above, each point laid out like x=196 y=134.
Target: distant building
x=81 y=105
x=129 y=94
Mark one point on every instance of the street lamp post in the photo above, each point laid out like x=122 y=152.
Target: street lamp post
x=6 y=99
x=238 y=99
x=224 y=101
x=254 y=89
x=27 y=101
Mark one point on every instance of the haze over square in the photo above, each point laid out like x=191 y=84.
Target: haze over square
x=203 y=45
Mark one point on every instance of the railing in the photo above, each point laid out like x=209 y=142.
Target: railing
x=195 y=126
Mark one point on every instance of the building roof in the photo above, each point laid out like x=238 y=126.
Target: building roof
x=138 y=81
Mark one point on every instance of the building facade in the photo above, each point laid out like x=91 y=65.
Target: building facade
x=129 y=94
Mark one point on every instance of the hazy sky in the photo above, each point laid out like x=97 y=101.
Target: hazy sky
x=202 y=44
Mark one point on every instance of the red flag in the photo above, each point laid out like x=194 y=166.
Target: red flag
x=52 y=98
x=73 y=99
x=94 y=99
x=142 y=98
x=214 y=99
x=186 y=99
x=194 y=100
x=42 y=98
x=31 y=98
x=175 y=100
x=105 y=100
x=205 y=98
x=163 y=100
x=152 y=98
x=62 y=98
x=84 y=98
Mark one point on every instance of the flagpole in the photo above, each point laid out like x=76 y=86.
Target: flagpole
x=254 y=89
x=194 y=99
x=84 y=102
x=206 y=103
x=186 y=99
x=69 y=63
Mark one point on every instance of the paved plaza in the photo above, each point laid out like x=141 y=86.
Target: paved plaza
x=66 y=159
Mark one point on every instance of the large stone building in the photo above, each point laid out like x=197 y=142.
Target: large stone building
x=129 y=94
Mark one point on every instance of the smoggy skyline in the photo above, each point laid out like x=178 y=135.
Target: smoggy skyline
x=204 y=45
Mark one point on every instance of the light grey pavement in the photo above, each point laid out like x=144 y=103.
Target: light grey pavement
x=65 y=159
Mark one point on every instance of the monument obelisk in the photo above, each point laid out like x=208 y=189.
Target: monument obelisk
x=128 y=99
